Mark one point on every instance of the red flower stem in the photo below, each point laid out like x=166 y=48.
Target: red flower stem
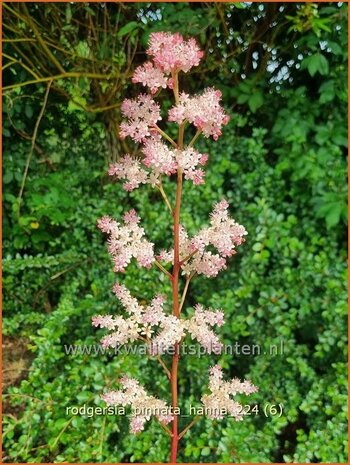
x=175 y=285
x=176 y=312
x=175 y=433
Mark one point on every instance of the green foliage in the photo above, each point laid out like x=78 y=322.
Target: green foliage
x=281 y=163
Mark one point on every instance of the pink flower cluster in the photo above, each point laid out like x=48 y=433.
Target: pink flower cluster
x=170 y=53
x=142 y=115
x=150 y=76
x=188 y=160
x=205 y=253
x=143 y=405
x=218 y=402
x=159 y=159
x=223 y=233
x=130 y=169
x=203 y=111
x=127 y=241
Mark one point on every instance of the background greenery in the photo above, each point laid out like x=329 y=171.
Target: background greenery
x=281 y=163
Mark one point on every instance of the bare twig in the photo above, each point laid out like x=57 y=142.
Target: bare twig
x=59 y=76
x=35 y=132
x=46 y=49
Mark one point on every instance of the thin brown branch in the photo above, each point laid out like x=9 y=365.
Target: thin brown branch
x=193 y=422
x=59 y=76
x=46 y=49
x=166 y=369
x=35 y=132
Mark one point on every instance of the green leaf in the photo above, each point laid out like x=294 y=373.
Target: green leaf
x=205 y=451
x=28 y=111
x=242 y=98
x=127 y=28
x=7 y=177
x=68 y=13
x=73 y=105
x=318 y=63
x=335 y=47
x=327 y=91
x=255 y=101
x=333 y=215
x=82 y=49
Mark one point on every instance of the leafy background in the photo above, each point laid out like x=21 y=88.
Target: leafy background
x=281 y=163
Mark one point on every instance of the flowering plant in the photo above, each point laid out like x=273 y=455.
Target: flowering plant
x=205 y=253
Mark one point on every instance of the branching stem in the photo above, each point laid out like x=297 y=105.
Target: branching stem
x=193 y=422
x=165 y=135
x=188 y=257
x=161 y=267
x=195 y=137
x=165 y=197
x=184 y=293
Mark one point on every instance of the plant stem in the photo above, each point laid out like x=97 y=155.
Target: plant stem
x=194 y=421
x=14 y=60
x=188 y=257
x=195 y=137
x=175 y=284
x=174 y=436
x=161 y=267
x=176 y=312
x=188 y=279
x=166 y=200
x=165 y=135
x=175 y=77
x=45 y=48
x=59 y=76
x=165 y=428
x=159 y=358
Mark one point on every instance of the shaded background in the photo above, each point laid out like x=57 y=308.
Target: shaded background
x=281 y=163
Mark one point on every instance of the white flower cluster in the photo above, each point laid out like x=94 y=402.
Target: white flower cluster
x=218 y=402
x=223 y=233
x=127 y=241
x=144 y=321
x=143 y=406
